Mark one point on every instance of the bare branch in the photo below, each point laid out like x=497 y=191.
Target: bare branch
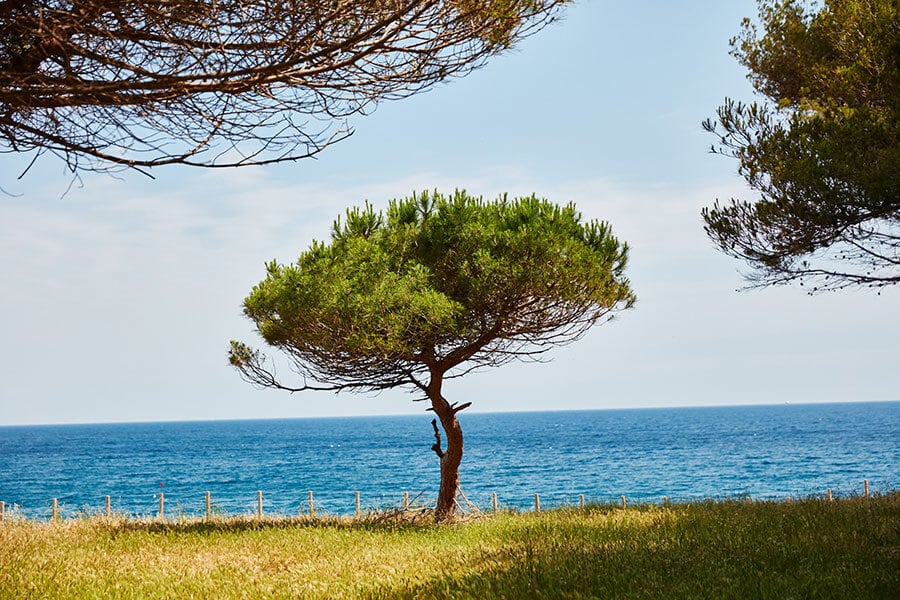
x=251 y=364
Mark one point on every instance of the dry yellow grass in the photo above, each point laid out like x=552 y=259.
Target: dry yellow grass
x=811 y=548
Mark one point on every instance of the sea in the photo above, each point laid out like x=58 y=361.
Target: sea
x=682 y=454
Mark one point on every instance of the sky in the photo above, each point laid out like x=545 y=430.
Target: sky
x=119 y=296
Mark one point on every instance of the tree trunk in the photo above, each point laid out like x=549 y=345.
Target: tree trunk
x=451 y=457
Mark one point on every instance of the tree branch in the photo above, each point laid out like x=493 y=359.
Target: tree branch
x=455 y=409
x=126 y=84
x=437 y=439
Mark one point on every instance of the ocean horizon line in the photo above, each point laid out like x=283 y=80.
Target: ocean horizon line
x=424 y=412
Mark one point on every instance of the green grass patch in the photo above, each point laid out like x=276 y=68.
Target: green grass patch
x=849 y=548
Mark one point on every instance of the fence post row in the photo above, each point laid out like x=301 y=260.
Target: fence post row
x=494 y=504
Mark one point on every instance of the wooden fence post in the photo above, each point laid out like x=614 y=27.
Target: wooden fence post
x=665 y=501
x=259 y=504
x=494 y=501
x=581 y=500
x=830 y=498
x=162 y=505
x=108 y=508
x=406 y=501
x=623 y=501
x=312 y=512
x=208 y=507
x=357 y=504
x=537 y=503
x=866 y=487
x=55 y=509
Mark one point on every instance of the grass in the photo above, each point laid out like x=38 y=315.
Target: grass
x=849 y=548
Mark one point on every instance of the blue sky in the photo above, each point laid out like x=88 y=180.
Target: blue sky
x=119 y=297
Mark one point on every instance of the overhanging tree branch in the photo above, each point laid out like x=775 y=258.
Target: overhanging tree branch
x=108 y=84
x=822 y=150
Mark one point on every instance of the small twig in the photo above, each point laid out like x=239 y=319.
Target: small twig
x=472 y=506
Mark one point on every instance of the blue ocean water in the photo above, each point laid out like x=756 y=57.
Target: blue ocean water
x=682 y=453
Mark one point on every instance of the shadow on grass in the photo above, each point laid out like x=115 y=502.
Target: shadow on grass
x=806 y=549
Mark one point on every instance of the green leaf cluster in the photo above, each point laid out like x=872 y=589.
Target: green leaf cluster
x=823 y=151
x=435 y=281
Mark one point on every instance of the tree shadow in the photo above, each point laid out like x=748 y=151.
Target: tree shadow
x=716 y=550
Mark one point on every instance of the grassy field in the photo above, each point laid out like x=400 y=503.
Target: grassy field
x=848 y=548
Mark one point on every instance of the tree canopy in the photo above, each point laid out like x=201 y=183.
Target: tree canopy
x=430 y=290
x=214 y=83
x=823 y=149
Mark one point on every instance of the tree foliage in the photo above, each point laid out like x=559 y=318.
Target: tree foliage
x=823 y=150
x=107 y=83
x=430 y=290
